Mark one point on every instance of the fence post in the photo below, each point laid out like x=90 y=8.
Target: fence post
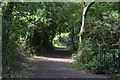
x=113 y=60
x=101 y=60
x=104 y=58
x=119 y=60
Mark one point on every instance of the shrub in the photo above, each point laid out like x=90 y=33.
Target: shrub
x=86 y=57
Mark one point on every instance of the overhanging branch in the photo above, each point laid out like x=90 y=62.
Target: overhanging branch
x=83 y=17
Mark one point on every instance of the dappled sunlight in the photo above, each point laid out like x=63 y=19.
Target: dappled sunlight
x=62 y=40
x=53 y=59
x=47 y=67
x=58 y=40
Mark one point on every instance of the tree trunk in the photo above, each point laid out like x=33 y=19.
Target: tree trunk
x=72 y=38
x=83 y=19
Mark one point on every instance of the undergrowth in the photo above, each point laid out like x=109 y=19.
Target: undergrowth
x=86 y=58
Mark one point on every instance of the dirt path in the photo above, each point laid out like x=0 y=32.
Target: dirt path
x=47 y=67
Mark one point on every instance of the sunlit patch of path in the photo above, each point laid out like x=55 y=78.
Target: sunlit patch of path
x=55 y=59
x=45 y=67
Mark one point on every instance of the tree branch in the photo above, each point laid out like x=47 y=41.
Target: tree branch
x=83 y=17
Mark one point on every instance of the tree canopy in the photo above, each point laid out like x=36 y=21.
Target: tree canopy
x=31 y=27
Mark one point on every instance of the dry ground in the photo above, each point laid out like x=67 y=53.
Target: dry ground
x=56 y=65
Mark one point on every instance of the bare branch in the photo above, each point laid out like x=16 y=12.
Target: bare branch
x=83 y=17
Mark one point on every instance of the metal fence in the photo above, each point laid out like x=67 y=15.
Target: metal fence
x=109 y=61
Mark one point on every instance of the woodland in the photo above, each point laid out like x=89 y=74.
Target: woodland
x=36 y=28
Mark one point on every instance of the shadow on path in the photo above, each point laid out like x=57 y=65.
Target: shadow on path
x=60 y=52
x=57 y=66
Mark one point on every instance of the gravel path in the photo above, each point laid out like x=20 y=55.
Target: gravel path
x=47 y=67
x=58 y=68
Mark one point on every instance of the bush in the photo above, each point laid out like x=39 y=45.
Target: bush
x=86 y=57
x=11 y=59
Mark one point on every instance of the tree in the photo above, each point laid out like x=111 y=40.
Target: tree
x=83 y=19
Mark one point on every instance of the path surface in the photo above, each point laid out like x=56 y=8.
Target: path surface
x=57 y=67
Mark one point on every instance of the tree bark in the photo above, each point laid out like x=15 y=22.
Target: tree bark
x=72 y=38
x=83 y=19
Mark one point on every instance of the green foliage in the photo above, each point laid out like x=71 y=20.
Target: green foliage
x=86 y=57
x=103 y=26
x=101 y=18
x=118 y=76
x=62 y=40
x=106 y=65
x=29 y=29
